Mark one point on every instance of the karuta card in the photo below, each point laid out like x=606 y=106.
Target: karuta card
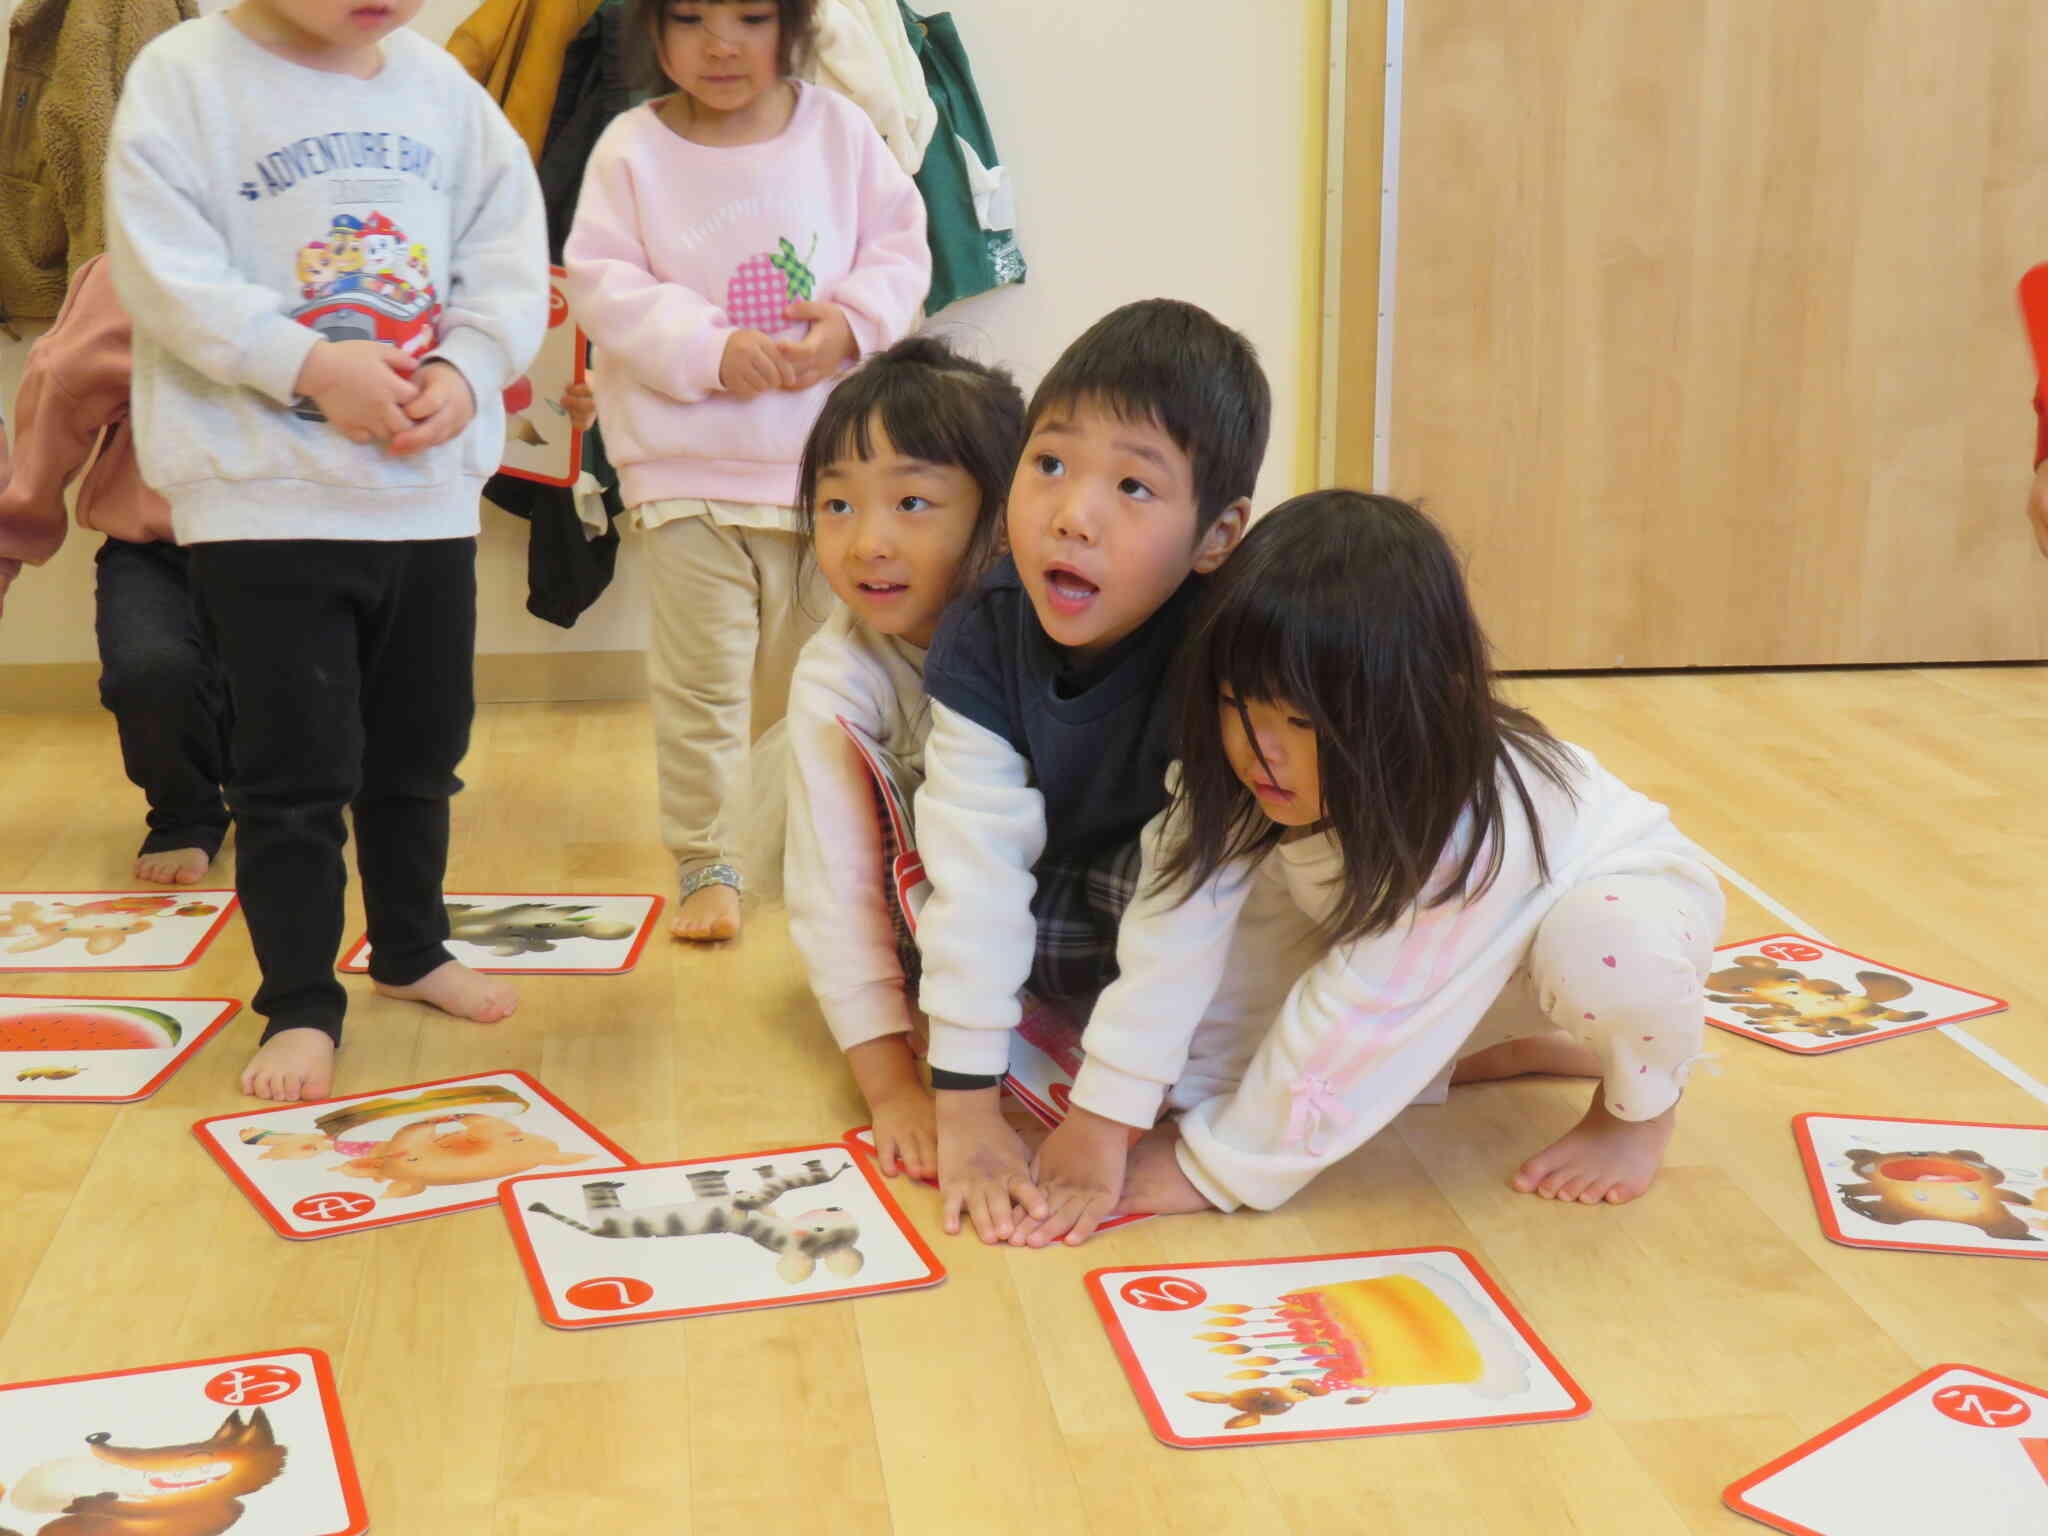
x=540 y=442
x=1956 y=1449
x=1342 y=1344
x=108 y=930
x=1045 y=1058
x=1805 y=995
x=344 y=1165
x=1933 y=1186
x=100 y=1050
x=249 y=1442
x=766 y=1229
x=544 y=935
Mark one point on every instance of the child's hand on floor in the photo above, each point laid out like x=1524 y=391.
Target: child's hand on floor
x=1153 y=1183
x=827 y=346
x=983 y=1168
x=906 y=1126
x=442 y=409
x=1080 y=1169
x=361 y=387
x=752 y=365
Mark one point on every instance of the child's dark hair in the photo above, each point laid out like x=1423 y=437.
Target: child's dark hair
x=1178 y=366
x=933 y=404
x=641 y=24
x=1352 y=609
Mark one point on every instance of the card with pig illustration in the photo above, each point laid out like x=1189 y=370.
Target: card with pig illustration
x=109 y=930
x=1805 y=995
x=1931 y=1186
x=252 y=1444
x=539 y=935
x=345 y=1165
x=100 y=1050
x=713 y=1234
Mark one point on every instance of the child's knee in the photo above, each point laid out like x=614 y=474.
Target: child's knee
x=1620 y=949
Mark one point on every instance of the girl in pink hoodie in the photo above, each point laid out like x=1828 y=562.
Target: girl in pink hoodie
x=738 y=243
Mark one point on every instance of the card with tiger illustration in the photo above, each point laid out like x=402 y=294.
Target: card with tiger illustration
x=525 y=934
x=1929 y=1186
x=109 y=930
x=713 y=1234
x=100 y=1050
x=1805 y=995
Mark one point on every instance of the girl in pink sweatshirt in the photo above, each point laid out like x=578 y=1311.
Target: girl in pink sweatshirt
x=738 y=243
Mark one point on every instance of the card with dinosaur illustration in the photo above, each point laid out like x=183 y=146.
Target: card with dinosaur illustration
x=254 y=1443
x=539 y=935
x=109 y=930
x=713 y=1234
x=1954 y=1449
x=100 y=1050
x=540 y=442
x=1327 y=1347
x=1930 y=1186
x=400 y=1154
x=1805 y=995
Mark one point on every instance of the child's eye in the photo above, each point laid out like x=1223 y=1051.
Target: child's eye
x=1300 y=724
x=1135 y=488
x=834 y=507
x=1048 y=464
x=912 y=504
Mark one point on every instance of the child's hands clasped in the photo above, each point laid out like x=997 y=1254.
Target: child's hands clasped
x=1080 y=1169
x=983 y=1169
x=441 y=409
x=361 y=387
x=827 y=346
x=752 y=365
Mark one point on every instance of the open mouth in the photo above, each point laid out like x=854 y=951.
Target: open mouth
x=881 y=589
x=185 y=1481
x=1068 y=591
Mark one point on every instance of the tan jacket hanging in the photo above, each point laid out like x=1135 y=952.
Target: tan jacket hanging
x=514 y=50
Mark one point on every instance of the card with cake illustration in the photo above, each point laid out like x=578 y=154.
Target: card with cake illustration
x=1931 y=1186
x=547 y=935
x=251 y=1443
x=540 y=441
x=713 y=1234
x=1338 y=1345
x=426 y=1149
x=100 y=1050
x=108 y=930
x=1954 y=1449
x=1805 y=995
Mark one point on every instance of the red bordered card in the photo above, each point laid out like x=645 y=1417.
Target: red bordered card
x=255 y=1442
x=1956 y=1449
x=713 y=1234
x=1327 y=1347
x=540 y=443
x=1928 y=1186
x=1805 y=995
x=525 y=934
x=109 y=930
x=100 y=1050
x=400 y=1154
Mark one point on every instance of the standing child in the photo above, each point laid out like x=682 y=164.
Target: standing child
x=324 y=458
x=1369 y=845
x=902 y=488
x=737 y=243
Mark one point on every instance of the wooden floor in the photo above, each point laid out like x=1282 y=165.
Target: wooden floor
x=1899 y=812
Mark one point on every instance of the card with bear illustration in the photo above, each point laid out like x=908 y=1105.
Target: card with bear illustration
x=1929 y=1186
x=1327 y=1347
x=254 y=1443
x=109 y=930
x=1805 y=995
x=713 y=1234
x=399 y=1154
x=1956 y=1449
x=100 y=1050
x=539 y=935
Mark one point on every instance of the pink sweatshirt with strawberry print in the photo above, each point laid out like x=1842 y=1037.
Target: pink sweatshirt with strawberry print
x=676 y=245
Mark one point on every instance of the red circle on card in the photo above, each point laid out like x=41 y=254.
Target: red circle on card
x=252 y=1385
x=1983 y=1407
x=558 y=306
x=1794 y=952
x=609 y=1293
x=1062 y=1097
x=341 y=1205
x=1163 y=1293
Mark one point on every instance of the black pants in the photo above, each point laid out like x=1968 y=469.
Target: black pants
x=350 y=665
x=161 y=679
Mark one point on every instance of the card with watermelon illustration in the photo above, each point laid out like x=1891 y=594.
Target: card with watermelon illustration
x=1954 y=1449
x=540 y=443
x=100 y=1050
x=252 y=1442
x=1805 y=995
x=544 y=935
x=108 y=930
x=1931 y=1186
x=1334 y=1346
x=426 y=1149
x=713 y=1234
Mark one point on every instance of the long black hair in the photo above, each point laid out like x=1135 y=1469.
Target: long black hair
x=640 y=54
x=1352 y=609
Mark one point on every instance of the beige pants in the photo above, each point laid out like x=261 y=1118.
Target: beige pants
x=732 y=606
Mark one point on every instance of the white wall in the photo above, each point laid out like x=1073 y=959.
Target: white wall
x=1158 y=147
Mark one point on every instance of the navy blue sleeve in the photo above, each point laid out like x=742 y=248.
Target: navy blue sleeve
x=967 y=668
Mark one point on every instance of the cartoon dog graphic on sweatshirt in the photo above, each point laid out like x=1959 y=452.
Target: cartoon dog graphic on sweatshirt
x=1777 y=999
x=170 y=1490
x=1958 y=1185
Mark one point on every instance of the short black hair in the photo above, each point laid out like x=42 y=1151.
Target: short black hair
x=1175 y=365
x=936 y=405
x=642 y=61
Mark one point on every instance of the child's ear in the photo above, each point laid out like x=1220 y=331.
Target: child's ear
x=1214 y=547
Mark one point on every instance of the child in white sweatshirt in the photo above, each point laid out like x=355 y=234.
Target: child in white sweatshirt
x=1363 y=848
x=902 y=489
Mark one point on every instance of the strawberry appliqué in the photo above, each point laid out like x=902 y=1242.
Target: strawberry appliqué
x=766 y=284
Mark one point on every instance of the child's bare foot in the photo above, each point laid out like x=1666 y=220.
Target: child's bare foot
x=1601 y=1159
x=708 y=914
x=173 y=866
x=454 y=988
x=1555 y=1054
x=292 y=1064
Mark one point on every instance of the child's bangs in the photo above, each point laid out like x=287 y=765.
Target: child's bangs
x=1259 y=650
